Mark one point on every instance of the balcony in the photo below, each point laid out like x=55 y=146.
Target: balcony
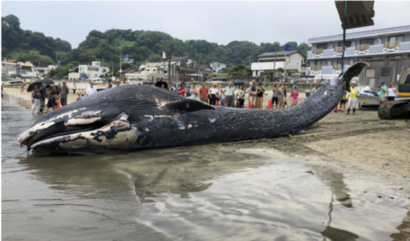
x=337 y=66
x=338 y=49
x=394 y=44
x=316 y=67
x=317 y=51
x=362 y=47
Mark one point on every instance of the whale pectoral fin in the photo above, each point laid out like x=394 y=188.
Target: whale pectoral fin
x=187 y=106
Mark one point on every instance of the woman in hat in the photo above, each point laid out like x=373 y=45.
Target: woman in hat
x=117 y=83
x=213 y=92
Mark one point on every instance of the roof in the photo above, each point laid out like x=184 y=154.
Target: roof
x=361 y=34
x=179 y=58
x=279 y=53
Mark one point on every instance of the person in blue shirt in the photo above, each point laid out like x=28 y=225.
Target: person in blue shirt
x=295 y=86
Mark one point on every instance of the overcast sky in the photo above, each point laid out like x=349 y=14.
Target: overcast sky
x=219 y=22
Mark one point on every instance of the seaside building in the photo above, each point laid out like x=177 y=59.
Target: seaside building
x=83 y=72
x=216 y=67
x=282 y=59
x=182 y=68
x=386 y=50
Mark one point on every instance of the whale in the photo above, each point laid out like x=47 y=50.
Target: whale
x=136 y=117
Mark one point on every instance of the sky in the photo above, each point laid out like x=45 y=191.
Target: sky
x=219 y=22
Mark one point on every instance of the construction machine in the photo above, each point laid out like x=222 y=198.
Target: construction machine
x=400 y=108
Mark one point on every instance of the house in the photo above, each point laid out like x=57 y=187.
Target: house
x=274 y=60
x=181 y=68
x=95 y=70
x=386 y=50
x=216 y=67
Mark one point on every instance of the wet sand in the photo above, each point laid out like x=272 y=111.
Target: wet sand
x=346 y=178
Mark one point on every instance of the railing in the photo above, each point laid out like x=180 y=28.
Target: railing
x=337 y=66
x=316 y=67
x=391 y=44
x=362 y=47
x=338 y=49
x=317 y=51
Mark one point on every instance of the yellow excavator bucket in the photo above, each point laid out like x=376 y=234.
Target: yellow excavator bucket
x=359 y=13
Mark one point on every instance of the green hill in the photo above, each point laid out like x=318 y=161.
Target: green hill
x=113 y=44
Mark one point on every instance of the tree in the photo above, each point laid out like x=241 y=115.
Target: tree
x=154 y=58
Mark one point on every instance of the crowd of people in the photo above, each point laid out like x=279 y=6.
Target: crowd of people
x=232 y=96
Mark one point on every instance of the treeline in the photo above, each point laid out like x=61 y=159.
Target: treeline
x=25 y=45
x=141 y=46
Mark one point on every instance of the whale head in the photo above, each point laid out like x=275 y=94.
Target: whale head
x=106 y=120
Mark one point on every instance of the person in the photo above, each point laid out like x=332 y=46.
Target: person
x=382 y=92
x=275 y=96
x=252 y=90
x=79 y=97
x=259 y=96
x=109 y=85
x=280 y=98
x=193 y=91
x=43 y=96
x=22 y=88
x=182 y=90
x=91 y=90
x=203 y=93
x=64 y=93
x=284 y=95
x=2 y=93
x=352 y=98
x=214 y=93
x=57 y=95
x=343 y=101
x=295 y=86
x=229 y=94
x=170 y=86
x=27 y=85
x=117 y=83
x=50 y=98
x=74 y=87
x=294 y=93
x=315 y=89
x=239 y=97
x=391 y=92
x=35 y=100
x=221 y=97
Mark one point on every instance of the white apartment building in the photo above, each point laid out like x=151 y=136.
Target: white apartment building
x=282 y=59
x=83 y=72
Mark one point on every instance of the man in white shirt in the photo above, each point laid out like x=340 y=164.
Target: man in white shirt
x=91 y=90
x=117 y=83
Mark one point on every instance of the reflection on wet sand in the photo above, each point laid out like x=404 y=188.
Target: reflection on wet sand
x=211 y=192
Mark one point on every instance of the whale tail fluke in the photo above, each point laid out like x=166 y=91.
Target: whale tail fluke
x=353 y=71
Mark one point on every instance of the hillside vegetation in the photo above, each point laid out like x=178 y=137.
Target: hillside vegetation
x=25 y=45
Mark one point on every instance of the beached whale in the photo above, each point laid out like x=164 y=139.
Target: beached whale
x=138 y=117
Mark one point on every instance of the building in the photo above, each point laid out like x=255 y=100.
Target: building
x=83 y=72
x=216 y=67
x=182 y=68
x=269 y=61
x=386 y=50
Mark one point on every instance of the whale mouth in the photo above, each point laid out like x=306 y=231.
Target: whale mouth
x=61 y=136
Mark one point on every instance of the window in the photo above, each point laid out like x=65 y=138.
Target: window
x=370 y=73
x=92 y=69
x=399 y=38
x=322 y=46
x=369 y=41
x=82 y=69
x=385 y=72
x=104 y=70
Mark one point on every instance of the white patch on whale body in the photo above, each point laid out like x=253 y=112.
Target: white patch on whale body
x=45 y=124
x=149 y=116
x=212 y=120
x=189 y=126
x=124 y=139
x=73 y=122
x=146 y=129
x=162 y=116
x=182 y=128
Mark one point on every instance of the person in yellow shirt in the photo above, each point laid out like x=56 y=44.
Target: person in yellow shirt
x=343 y=102
x=352 y=98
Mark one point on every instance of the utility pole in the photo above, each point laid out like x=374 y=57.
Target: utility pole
x=274 y=63
x=285 y=65
x=169 y=62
